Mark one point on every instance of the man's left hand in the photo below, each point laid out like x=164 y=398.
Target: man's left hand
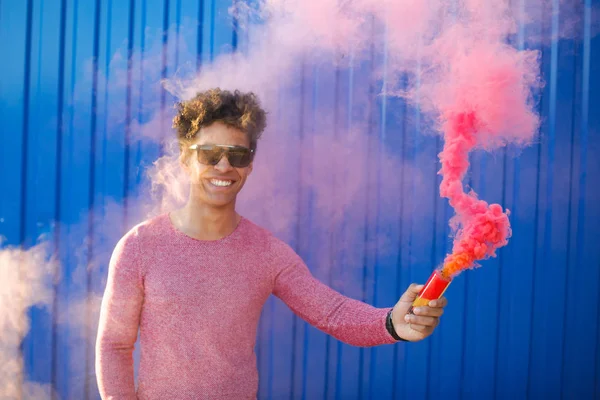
x=420 y=325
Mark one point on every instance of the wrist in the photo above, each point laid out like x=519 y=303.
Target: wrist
x=389 y=325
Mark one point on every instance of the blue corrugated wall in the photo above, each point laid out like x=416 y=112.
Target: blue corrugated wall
x=526 y=325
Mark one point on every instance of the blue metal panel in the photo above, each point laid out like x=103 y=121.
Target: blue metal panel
x=71 y=361
x=81 y=83
x=39 y=162
x=16 y=31
x=581 y=365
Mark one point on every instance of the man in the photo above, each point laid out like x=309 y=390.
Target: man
x=195 y=280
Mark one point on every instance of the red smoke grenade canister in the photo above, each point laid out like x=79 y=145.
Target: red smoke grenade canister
x=434 y=288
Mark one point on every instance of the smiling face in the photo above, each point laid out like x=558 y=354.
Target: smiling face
x=216 y=185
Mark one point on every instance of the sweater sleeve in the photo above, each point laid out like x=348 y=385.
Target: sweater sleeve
x=119 y=321
x=348 y=320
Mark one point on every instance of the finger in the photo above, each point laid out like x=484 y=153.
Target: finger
x=428 y=311
x=420 y=320
x=441 y=302
x=421 y=328
x=411 y=293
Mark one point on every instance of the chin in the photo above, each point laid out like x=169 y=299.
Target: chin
x=219 y=203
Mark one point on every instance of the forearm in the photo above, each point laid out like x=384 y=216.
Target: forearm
x=348 y=320
x=357 y=323
x=114 y=370
x=117 y=332
x=119 y=323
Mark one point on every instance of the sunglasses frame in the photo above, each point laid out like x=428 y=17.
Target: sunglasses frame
x=228 y=148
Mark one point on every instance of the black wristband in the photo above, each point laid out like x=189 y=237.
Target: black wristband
x=390 y=326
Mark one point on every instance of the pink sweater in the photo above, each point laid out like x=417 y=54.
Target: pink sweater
x=197 y=304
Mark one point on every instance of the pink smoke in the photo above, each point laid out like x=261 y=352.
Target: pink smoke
x=460 y=68
x=484 y=100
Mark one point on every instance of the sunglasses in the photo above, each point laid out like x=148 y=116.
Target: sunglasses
x=211 y=154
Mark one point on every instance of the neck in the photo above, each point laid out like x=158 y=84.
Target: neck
x=204 y=222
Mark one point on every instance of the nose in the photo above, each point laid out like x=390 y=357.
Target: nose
x=223 y=164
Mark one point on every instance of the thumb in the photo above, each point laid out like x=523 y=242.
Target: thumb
x=411 y=293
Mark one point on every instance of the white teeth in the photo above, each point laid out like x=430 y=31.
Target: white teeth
x=218 y=182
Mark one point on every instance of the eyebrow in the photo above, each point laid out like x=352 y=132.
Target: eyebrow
x=232 y=147
x=220 y=144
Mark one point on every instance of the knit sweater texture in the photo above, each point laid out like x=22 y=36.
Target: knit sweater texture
x=197 y=305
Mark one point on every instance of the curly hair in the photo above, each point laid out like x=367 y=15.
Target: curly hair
x=237 y=110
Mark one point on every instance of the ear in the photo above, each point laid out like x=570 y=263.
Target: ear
x=184 y=163
x=250 y=167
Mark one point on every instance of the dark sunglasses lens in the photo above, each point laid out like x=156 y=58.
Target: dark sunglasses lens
x=209 y=156
x=239 y=158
